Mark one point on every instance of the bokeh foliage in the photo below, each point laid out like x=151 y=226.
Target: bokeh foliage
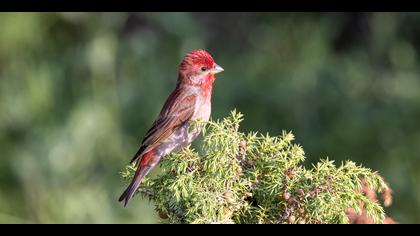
x=78 y=91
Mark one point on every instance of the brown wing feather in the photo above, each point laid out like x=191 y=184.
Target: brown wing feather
x=178 y=108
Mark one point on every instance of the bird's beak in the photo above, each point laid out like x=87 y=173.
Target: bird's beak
x=216 y=69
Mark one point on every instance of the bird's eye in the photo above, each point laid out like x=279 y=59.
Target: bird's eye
x=204 y=69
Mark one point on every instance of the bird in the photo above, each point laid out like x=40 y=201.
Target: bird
x=169 y=133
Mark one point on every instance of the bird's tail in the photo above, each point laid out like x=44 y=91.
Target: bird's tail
x=148 y=161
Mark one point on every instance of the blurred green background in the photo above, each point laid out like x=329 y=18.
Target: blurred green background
x=79 y=90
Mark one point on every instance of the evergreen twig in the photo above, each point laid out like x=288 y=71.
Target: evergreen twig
x=253 y=178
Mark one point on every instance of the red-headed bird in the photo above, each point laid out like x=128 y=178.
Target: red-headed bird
x=191 y=100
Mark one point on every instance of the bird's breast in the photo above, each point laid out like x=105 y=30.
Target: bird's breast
x=202 y=110
x=183 y=135
x=205 y=114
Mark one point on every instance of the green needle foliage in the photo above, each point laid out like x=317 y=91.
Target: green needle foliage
x=253 y=178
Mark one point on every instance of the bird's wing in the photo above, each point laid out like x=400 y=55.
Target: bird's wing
x=178 y=109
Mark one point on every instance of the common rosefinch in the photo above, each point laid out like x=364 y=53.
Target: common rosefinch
x=191 y=100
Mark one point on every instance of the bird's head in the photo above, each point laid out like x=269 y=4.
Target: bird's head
x=198 y=68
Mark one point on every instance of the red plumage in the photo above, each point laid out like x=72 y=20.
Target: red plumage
x=191 y=100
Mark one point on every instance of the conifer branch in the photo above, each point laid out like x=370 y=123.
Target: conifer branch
x=252 y=178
